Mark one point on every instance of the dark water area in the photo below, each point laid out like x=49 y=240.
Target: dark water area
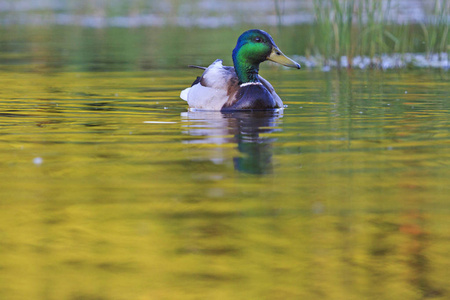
x=72 y=48
x=75 y=48
x=111 y=189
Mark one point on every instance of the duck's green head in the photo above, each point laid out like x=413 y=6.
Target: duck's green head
x=252 y=48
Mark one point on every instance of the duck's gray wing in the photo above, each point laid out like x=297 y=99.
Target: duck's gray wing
x=211 y=90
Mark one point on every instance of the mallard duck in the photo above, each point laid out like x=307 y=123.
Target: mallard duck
x=240 y=87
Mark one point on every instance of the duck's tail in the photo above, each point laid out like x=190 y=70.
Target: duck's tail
x=184 y=94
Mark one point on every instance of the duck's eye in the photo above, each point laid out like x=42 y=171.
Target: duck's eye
x=258 y=39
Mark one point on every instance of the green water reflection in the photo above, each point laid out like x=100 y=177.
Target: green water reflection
x=245 y=129
x=110 y=189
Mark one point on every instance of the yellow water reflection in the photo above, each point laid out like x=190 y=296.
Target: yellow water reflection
x=110 y=189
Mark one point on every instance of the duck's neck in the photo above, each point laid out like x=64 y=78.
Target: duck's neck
x=246 y=70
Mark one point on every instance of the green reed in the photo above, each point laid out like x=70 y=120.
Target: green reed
x=350 y=27
x=363 y=27
x=436 y=36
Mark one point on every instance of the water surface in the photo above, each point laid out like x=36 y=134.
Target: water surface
x=111 y=189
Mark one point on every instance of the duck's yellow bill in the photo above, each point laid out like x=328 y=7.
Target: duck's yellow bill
x=277 y=56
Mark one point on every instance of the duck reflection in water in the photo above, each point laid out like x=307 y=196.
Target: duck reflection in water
x=241 y=127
